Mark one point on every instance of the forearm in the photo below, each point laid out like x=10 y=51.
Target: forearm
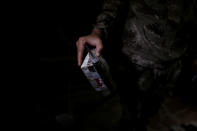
x=111 y=11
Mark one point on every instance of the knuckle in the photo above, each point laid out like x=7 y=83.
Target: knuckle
x=81 y=38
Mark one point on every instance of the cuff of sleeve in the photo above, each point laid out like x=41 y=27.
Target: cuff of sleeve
x=103 y=29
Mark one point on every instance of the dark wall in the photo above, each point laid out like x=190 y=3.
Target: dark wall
x=61 y=25
x=65 y=22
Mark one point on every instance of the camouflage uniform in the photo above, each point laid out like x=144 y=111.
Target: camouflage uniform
x=151 y=39
x=151 y=33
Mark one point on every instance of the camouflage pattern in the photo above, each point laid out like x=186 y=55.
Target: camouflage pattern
x=143 y=94
x=151 y=34
x=154 y=41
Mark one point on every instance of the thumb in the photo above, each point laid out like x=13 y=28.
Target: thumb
x=99 y=49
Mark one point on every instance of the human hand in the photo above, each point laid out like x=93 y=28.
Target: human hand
x=93 y=39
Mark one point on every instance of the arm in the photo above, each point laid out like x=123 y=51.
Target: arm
x=111 y=10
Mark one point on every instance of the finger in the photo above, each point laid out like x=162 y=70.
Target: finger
x=99 y=48
x=77 y=44
x=81 y=47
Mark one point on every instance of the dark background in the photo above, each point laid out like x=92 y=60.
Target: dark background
x=61 y=26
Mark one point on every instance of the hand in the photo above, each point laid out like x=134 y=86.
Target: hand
x=93 y=39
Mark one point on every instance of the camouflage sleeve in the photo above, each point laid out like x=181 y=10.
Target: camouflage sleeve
x=111 y=10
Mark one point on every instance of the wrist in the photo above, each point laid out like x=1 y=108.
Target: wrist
x=97 y=32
